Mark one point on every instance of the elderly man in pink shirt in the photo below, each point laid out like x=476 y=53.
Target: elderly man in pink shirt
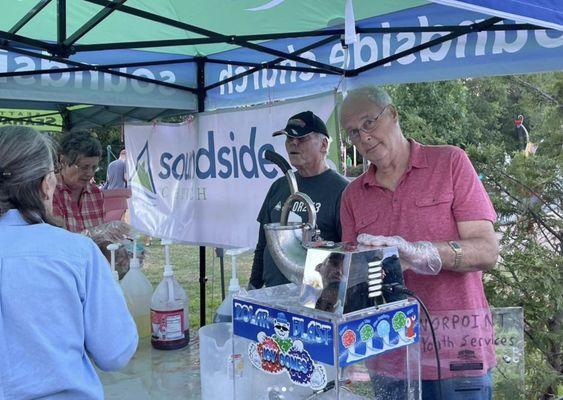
x=429 y=202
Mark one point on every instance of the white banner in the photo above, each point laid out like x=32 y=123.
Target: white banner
x=203 y=181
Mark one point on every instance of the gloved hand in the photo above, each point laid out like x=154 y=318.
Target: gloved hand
x=421 y=257
x=122 y=261
x=113 y=232
x=121 y=257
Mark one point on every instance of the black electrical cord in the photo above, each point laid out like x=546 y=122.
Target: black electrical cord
x=397 y=288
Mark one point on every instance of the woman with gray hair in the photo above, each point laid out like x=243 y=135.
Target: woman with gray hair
x=78 y=204
x=27 y=174
x=60 y=308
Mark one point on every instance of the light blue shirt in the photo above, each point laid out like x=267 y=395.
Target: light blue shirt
x=60 y=309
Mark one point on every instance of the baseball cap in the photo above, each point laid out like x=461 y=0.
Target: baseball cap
x=302 y=124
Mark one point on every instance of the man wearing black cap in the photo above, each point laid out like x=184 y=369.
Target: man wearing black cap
x=307 y=143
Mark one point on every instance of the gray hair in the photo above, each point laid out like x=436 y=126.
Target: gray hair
x=75 y=145
x=26 y=157
x=373 y=94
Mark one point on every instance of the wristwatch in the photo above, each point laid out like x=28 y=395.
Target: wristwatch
x=458 y=253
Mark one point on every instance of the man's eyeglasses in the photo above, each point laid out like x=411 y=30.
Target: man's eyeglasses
x=368 y=126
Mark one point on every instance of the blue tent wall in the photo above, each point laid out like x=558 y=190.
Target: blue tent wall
x=547 y=13
x=472 y=55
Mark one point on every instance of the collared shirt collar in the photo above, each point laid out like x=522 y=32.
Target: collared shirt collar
x=61 y=185
x=417 y=159
x=13 y=217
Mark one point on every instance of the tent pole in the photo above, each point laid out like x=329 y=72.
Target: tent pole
x=67 y=126
x=32 y=13
x=61 y=21
x=200 y=62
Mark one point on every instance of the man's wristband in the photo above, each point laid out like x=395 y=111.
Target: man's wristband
x=455 y=246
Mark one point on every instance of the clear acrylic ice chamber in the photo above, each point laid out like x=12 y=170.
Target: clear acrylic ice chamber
x=333 y=337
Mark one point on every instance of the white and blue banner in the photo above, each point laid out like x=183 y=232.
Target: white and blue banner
x=96 y=86
x=472 y=55
x=475 y=54
x=548 y=13
x=203 y=181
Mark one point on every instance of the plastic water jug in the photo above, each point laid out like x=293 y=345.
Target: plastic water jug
x=224 y=312
x=137 y=290
x=169 y=312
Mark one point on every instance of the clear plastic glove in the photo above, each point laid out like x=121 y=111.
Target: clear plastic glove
x=420 y=257
x=123 y=255
x=114 y=231
x=121 y=258
x=122 y=261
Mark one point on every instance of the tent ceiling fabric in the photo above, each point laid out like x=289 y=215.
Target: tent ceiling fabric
x=140 y=58
x=101 y=116
x=225 y=17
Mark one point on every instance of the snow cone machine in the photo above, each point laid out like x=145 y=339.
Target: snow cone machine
x=337 y=331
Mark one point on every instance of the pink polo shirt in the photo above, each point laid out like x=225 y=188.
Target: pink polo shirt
x=439 y=189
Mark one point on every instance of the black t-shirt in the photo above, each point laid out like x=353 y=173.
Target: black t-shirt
x=325 y=190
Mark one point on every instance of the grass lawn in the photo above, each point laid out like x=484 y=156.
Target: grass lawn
x=185 y=262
